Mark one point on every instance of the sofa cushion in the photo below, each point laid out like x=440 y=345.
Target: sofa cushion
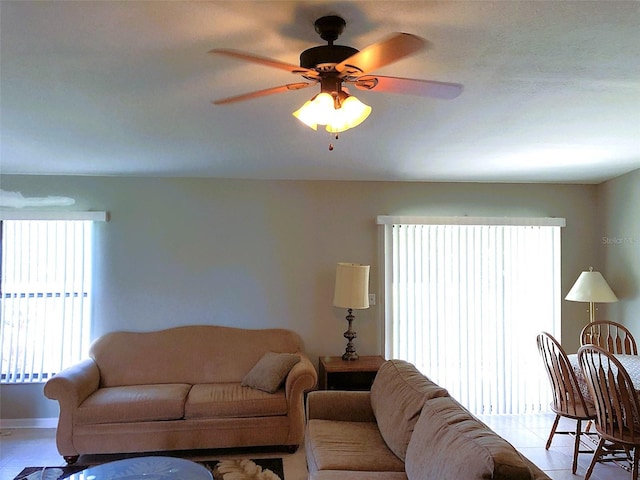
x=270 y=371
x=140 y=403
x=397 y=395
x=216 y=400
x=447 y=429
x=187 y=354
x=333 y=445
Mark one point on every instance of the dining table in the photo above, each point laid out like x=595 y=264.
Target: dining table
x=631 y=363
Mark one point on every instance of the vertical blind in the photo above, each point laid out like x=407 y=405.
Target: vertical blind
x=46 y=297
x=464 y=303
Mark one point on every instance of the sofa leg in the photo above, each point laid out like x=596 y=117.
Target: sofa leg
x=291 y=448
x=71 y=459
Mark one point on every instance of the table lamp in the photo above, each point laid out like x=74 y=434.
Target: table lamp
x=351 y=291
x=591 y=287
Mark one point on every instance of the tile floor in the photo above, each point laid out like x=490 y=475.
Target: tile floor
x=529 y=433
x=36 y=447
x=31 y=447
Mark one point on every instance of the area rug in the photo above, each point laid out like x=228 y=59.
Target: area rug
x=237 y=469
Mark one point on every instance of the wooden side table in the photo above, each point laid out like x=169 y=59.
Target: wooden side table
x=338 y=374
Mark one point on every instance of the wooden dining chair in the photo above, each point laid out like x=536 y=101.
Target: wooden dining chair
x=568 y=400
x=616 y=403
x=612 y=336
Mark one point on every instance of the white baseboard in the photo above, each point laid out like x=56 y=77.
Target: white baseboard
x=6 y=423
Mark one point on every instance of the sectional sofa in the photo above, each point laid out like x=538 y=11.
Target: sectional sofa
x=406 y=428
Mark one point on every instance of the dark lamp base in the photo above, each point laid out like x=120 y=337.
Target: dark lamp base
x=350 y=356
x=350 y=352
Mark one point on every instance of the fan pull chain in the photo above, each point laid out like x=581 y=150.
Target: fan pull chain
x=331 y=144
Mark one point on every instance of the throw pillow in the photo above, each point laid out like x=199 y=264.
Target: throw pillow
x=270 y=371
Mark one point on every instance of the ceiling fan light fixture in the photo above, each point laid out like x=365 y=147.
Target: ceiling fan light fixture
x=333 y=65
x=305 y=115
x=352 y=112
x=338 y=113
x=319 y=110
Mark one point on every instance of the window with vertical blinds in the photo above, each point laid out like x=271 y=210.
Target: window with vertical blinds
x=464 y=301
x=45 y=295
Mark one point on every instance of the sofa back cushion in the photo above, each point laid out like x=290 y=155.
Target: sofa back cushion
x=448 y=443
x=397 y=395
x=189 y=354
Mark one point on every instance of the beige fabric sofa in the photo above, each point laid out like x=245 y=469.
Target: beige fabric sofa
x=179 y=389
x=406 y=428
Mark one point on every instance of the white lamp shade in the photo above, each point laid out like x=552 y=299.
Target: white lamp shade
x=591 y=287
x=352 y=286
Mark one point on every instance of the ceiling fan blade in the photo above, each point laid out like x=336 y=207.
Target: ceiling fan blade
x=262 y=93
x=269 y=62
x=375 y=56
x=409 y=86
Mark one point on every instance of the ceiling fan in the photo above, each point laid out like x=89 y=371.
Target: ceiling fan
x=333 y=66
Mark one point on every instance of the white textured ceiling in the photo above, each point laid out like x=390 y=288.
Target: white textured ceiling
x=552 y=91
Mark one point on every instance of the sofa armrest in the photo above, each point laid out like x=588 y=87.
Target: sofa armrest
x=301 y=378
x=344 y=406
x=70 y=387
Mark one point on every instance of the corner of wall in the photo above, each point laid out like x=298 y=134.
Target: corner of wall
x=619 y=246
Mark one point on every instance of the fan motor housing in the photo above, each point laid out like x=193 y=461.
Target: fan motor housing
x=325 y=54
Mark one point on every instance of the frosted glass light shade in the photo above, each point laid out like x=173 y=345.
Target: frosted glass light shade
x=352 y=286
x=321 y=110
x=305 y=115
x=351 y=114
x=591 y=287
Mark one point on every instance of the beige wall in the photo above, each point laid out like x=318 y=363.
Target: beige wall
x=619 y=239
x=262 y=253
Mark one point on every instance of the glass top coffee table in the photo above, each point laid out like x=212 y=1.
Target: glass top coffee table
x=146 y=468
